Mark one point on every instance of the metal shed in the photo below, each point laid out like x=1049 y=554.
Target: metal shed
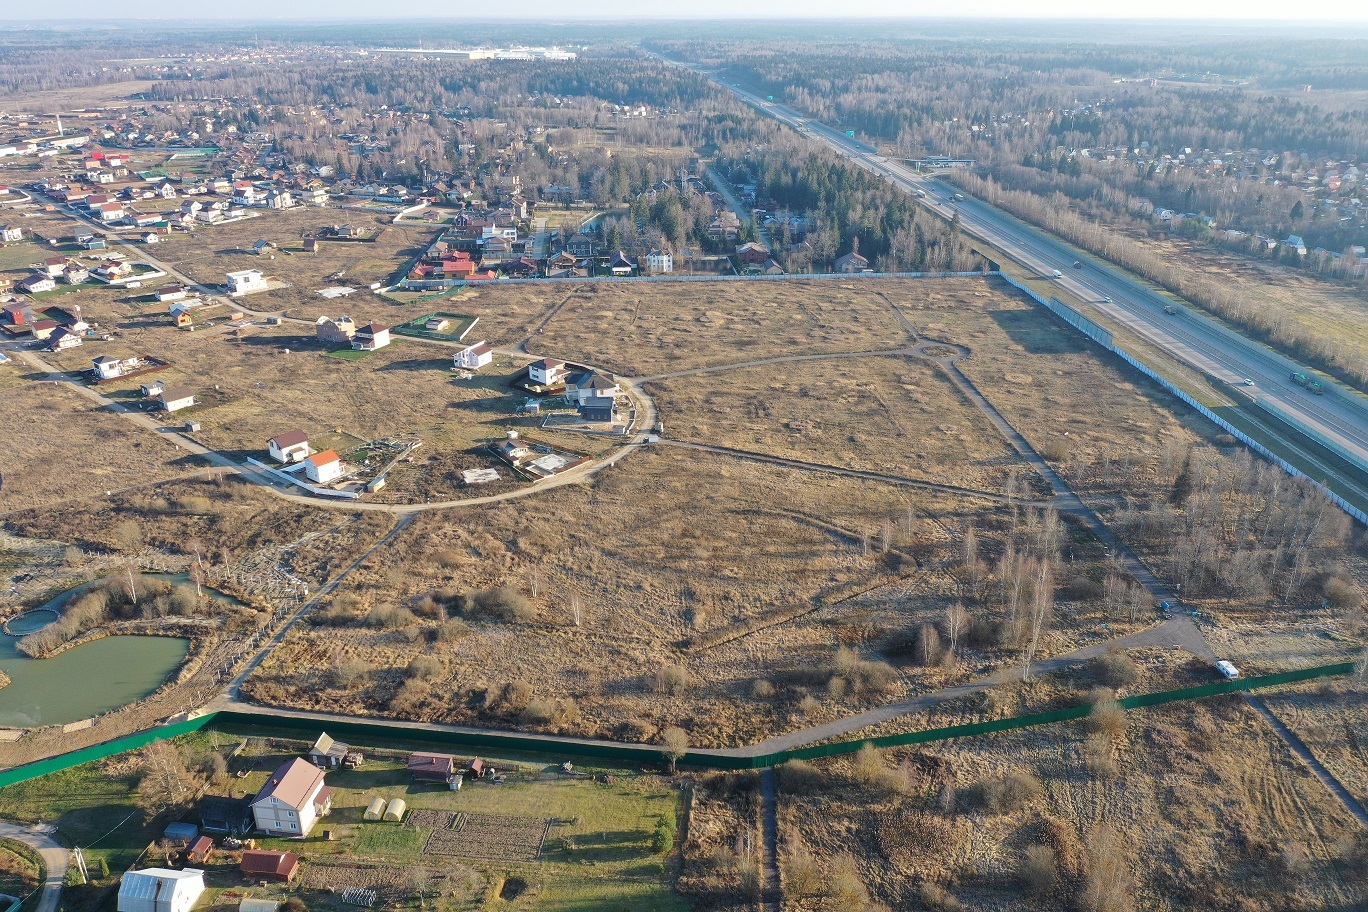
x=375 y=810
x=395 y=810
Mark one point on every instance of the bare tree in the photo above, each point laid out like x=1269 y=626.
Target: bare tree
x=166 y=782
x=1042 y=602
x=674 y=743
x=956 y=624
x=973 y=567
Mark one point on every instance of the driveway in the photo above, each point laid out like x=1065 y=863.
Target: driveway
x=55 y=859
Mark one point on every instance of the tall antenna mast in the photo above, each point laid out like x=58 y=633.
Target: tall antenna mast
x=60 y=131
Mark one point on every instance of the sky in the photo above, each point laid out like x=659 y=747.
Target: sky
x=1321 y=11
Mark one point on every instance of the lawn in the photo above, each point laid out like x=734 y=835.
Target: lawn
x=21 y=254
x=20 y=871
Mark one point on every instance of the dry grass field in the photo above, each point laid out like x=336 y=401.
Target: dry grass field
x=1333 y=722
x=71 y=448
x=1206 y=808
x=892 y=415
x=648 y=329
x=654 y=585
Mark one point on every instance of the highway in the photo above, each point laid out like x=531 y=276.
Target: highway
x=1337 y=420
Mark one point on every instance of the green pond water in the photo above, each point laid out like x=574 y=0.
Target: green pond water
x=89 y=679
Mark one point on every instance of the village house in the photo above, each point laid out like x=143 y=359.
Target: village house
x=36 y=284
x=54 y=266
x=546 y=372
x=226 y=816
x=169 y=293
x=327 y=752
x=63 y=338
x=75 y=274
x=41 y=329
x=591 y=384
x=246 y=281
x=371 y=337
x=512 y=450
x=160 y=890
x=474 y=357
x=293 y=799
x=660 y=262
x=323 y=467
x=620 y=264
x=16 y=314
x=291 y=446
x=173 y=400
x=752 y=253
x=424 y=766
x=108 y=368
x=852 y=262
x=8 y=234
x=335 y=332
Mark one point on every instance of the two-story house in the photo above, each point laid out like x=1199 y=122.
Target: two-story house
x=292 y=800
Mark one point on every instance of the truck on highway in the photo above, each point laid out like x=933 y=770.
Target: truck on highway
x=1305 y=381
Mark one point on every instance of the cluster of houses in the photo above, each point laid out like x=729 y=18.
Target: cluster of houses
x=57 y=328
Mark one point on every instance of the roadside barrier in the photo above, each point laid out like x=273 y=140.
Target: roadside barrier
x=1055 y=307
x=360 y=730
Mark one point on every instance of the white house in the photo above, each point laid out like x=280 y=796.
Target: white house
x=246 y=281
x=63 y=338
x=546 y=372
x=323 y=467
x=473 y=357
x=107 y=368
x=589 y=385
x=170 y=293
x=173 y=400
x=370 y=337
x=659 y=262
x=160 y=890
x=291 y=446
x=293 y=799
x=8 y=234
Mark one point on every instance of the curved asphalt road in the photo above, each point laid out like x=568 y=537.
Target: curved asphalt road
x=55 y=856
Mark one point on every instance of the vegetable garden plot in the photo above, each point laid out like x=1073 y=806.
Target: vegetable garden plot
x=429 y=819
x=491 y=836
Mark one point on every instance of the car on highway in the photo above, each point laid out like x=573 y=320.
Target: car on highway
x=1078 y=264
x=1247 y=381
x=1058 y=274
x=959 y=196
x=1107 y=298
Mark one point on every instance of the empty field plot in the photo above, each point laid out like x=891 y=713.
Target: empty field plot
x=643 y=329
x=72 y=447
x=1333 y=723
x=734 y=554
x=892 y=415
x=491 y=837
x=1157 y=800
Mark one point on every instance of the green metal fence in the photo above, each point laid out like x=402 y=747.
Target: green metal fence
x=381 y=733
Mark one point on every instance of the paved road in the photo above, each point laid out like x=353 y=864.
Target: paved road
x=1339 y=419
x=55 y=856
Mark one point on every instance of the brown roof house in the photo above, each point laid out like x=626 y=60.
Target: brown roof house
x=291 y=446
x=430 y=767
x=259 y=864
x=292 y=800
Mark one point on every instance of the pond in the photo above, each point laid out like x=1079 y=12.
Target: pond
x=89 y=679
x=86 y=680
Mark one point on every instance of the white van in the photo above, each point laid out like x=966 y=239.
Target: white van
x=1058 y=274
x=1227 y=670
